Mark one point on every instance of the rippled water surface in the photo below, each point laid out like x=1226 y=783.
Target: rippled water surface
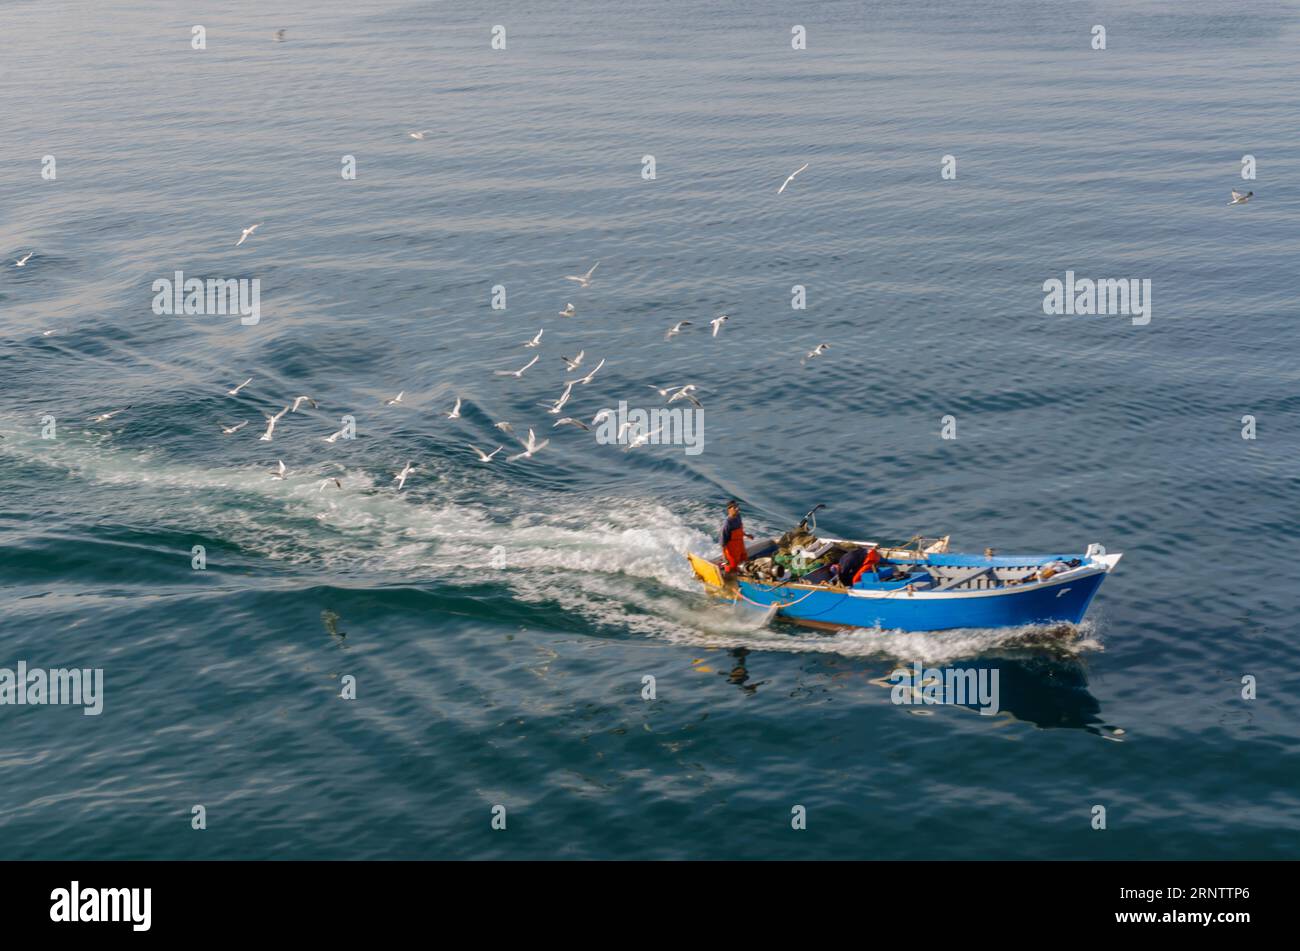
x=522 y=685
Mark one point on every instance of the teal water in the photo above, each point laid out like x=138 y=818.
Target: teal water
x=521 y=686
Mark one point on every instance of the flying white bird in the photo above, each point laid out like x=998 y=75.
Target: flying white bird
x=816 y=351
x=1239 y=199
x=520 y=372
x=279 y=471
x=300 y=400
x=48 y=333
x=530 y=447
x=270 y=424
x=325 y=482
x=247 y=231
x=570 y=421
x=575 y=362
x=421 y=134
x=22 y=261
x=278 y=36
x=536 y=341
x=235 y=391
x=584 y=280
x=335 y=438
x=641 y=439
x=455 y=410
x=588 y=378
x=505 y=427
x=685 y=394
x=663 y=391
x=603 y=414
x=676 y=329
x=559 y=404
x=229 y=430
x=485 y=456
x=395 y=400
x=791 y=178
x=717 y=322
x=400 y=478
x=568 y=311
x=104 y=417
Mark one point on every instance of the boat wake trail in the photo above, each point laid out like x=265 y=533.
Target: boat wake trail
x=609 y=566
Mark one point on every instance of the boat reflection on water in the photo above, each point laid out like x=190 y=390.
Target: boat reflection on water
x=739 y=674
x=1034 y=685
x=1045 y=688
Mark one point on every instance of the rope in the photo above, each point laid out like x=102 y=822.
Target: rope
x=779 y=605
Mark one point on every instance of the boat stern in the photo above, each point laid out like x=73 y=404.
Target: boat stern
x=707 y=571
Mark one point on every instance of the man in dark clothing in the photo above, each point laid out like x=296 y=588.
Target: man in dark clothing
x=848 y=566
x=856 y=563
x=733 y=538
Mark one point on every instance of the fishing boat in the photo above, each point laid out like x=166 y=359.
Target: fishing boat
x=918 y=587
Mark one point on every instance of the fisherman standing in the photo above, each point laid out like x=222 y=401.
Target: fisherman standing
x=733 y=538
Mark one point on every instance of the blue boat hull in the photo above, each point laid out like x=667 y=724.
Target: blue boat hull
x=1038 y=604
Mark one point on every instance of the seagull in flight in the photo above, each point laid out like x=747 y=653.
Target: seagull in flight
x=559 y=404
x=570 y=421
x=325 y=482
x=520 y=372
x=584 y=280
x=815 y=352
x=485 y=456
x=575 y=362
x=278 y=36
x=230 y=430
x=270 y=424
x=536 y=341
x=400 y=478
x=105 y=417
x=568 y=311
x=641 y=439
x=395 y=400
x=279 y=471
x=676 y=329
x=235 y=391
x=1239 y=199
x=505 y=427
x=22 y=261
x=455 y=410
x=684 y=393
x=663 y=391
x=530 y=447
x=421 y=134
x=791 y=178
x=334 y=438
x=587 y=379
x=603 y=414
x=300 y=400
x=717 y=322
x=247 y=231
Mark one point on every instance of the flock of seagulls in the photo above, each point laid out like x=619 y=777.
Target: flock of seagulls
x=530 y=446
